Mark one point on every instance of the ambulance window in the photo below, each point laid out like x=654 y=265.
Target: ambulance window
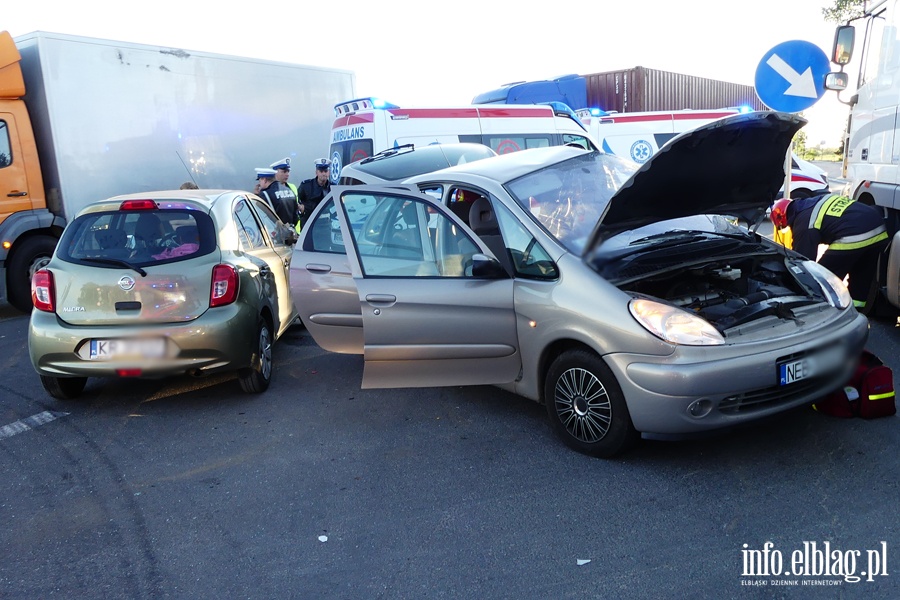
x=360 y=150
x=541 y=142
x=575 y=140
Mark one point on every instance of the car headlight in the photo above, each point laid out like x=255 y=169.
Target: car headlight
x=673 y=324
x=833 y=288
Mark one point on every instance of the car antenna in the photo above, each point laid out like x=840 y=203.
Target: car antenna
x=184 y=164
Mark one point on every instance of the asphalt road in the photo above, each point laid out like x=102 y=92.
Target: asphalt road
x=316 y=489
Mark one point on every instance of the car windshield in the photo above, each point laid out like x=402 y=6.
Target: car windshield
x=569 y=197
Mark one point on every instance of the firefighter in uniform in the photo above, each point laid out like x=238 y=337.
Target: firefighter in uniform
x=313 y=190
x=855 y=234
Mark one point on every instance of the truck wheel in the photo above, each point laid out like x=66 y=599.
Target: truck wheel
x=586 y=406
x=32 y=255
x=255 y=379
x=63 y=388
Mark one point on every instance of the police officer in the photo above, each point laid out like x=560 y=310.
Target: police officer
x=313 y=190
x=854 y=232
x=280 y=195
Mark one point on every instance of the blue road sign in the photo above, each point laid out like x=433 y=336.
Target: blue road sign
x=791 y=76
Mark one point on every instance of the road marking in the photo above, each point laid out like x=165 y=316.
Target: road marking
x=29 y=423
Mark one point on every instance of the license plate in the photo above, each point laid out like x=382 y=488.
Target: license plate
x=810 y=366
x=128 y=348
x=790 y=372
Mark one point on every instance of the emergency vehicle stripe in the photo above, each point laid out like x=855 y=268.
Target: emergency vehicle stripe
x=353 y=120
x=798 y=177
x=470 y=113
x=664 y=117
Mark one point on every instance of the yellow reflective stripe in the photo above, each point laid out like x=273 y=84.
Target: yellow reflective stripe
x=821 y=207
x=881 y=396
x=859 y=304
x=856 y=245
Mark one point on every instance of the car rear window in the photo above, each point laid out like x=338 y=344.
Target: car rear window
x=138 y=237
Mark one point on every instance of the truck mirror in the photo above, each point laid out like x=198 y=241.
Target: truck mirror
x=843 y=45
x=836 y=81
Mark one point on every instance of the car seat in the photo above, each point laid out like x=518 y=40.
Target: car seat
x=483 y=221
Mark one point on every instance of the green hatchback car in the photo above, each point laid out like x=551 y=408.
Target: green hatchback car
x=163 y=283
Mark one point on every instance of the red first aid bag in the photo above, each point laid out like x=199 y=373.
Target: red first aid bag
x=869 y=393
x=842 y=402
x=875 y=382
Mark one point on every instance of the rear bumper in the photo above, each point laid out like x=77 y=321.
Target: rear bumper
x=223 y=338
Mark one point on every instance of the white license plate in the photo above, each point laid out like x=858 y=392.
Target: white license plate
x=796 y=370
x=128 y=348
x=810 y=366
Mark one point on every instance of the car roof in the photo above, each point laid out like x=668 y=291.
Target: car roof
x=507 y=167
x=196 y=199
x=402 y=162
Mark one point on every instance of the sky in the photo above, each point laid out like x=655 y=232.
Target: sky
x=421 y=53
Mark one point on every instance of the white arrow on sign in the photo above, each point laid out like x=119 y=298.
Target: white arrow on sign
x=801 y=85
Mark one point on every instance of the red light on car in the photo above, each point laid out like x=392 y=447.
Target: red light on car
x=224 y=285
x=128 y=372
x=138 y=205
x=43 y=294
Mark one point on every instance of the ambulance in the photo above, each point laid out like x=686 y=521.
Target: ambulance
x=639 y=135
x=366 y=126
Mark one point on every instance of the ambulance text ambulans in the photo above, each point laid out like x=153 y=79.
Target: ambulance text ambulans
x=639 y=135
x=366 y=126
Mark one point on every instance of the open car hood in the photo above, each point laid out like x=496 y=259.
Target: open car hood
x=732 y=166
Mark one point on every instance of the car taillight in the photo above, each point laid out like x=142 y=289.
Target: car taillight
x=138 y=205
x=43 y=295
x=224 y=285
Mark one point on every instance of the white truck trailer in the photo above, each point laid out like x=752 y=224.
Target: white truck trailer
x=83 y=119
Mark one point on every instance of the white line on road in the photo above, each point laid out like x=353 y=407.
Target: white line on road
x=29 y=423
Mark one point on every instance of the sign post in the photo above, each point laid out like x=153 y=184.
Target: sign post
x=791 y=78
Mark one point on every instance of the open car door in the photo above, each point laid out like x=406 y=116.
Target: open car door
x=434 y=310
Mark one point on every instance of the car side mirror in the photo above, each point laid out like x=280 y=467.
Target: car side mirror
x=485 y=267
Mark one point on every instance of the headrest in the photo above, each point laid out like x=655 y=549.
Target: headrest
x=481 y=216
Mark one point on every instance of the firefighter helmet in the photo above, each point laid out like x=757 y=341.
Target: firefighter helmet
x=779 y=213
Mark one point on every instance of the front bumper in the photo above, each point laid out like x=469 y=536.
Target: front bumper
x=661 y=391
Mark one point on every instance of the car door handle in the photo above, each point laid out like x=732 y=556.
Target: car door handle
x=314 y=268
x=381 y=298
x=16 y=194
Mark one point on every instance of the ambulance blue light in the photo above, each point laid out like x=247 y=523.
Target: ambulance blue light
x=745 y=109
x=379 y=103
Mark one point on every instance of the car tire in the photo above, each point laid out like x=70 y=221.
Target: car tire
x=256 y=378
x=63 y=388
x=586 y=406
x=33 y=254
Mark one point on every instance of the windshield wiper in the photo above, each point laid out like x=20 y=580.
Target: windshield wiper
x=681 y=236
x=116 y=262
